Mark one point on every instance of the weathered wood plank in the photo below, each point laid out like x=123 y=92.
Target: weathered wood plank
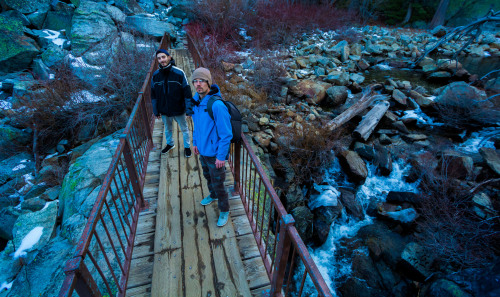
x=141 y=291
x=144 y=245
x=146 y=224
x=248 y=247
x=241 y=225
x=167 y=278
x=198 y=273
x=256 y=274
x=140 y=271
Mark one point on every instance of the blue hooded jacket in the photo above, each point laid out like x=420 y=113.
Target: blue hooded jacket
x=212 y=137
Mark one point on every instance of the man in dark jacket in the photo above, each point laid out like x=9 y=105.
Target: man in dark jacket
x=211 y=139
x=171 y=98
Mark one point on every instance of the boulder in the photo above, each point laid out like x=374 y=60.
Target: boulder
x=60 y=19
x=38 y=225
x=401 y=197
x=338 y=78
x=91 y=24
x=17 y=50
x=445 y=288
x=27 y=6
x=12 y=137
x=383 y=244
x=492 y=158
x=313 y=91
x=303 y=222
x=416 y=262
x=129 y=6
x=324 y=216
x=37 y=19
x=16 y=166
x=353 y=165
x=351 y=204
x=45 y=275
x=337 y=95
x=456 y=165
x=149 y=26
x=82 y=183
x=53 y=55
x=383 y=160
x=399 y=97
x=8 y=217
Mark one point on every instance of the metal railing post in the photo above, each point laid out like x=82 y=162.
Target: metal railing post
x=134 y=175
x=283 y=251
x=84 y=283
x=237 y=166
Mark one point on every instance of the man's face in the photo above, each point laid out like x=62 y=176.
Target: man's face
x=201 y=86
x=163 y=59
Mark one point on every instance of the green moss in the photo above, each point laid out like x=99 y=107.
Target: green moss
x=10 y=25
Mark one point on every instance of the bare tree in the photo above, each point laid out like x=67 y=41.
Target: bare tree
x=440 y=14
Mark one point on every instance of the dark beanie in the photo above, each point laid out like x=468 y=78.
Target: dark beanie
x=162 y=51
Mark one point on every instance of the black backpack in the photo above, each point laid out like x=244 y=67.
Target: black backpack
x=233 y=112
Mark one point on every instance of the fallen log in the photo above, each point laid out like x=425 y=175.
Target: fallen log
x=371 y=120
x=354 y=110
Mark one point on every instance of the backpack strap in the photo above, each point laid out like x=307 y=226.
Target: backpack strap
x=210 y=103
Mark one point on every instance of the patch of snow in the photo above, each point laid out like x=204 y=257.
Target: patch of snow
x=84 y=96
x=405 y=215
x=78 y=62
x=52 y=76
x=243 y=54
x=50 y=156
x=487 y=54
x=382 y=67
x=29 y=241
x=19 y=167
x=328 y=196
x=25 y=161
x=6 y=286
x=5 y=105
x=54 y=37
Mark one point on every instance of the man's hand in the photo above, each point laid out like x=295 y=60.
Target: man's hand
x=195 y=150
x=219 y=163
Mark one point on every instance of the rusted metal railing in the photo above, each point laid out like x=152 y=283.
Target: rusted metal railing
x=282 y=250
x=101 y=263
x=285 y=256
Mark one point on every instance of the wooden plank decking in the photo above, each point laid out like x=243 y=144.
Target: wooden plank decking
x=179 y=250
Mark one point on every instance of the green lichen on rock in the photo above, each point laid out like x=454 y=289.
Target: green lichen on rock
x=16 y=50
x=28 y=6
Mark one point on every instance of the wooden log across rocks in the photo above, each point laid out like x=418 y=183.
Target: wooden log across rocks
x=371 y=120
x=354 y=110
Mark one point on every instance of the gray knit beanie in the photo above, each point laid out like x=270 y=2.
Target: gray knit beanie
x=202 y=73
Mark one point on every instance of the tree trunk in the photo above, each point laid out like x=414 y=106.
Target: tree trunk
x=352 y=111
x=408 y=15
x=440 y=15
x=371 y=120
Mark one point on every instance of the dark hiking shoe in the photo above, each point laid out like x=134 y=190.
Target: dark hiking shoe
x=167 y=148
x=187 y=152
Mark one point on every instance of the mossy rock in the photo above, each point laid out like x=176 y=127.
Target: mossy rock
x=16 y=50
x=28 y=6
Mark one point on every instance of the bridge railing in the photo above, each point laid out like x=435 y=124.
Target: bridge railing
x=285 y=256
x=101 y=263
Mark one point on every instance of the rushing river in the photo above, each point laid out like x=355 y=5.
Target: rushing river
x=331 y=264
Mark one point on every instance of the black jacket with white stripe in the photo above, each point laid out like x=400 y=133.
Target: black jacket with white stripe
x=170 y=91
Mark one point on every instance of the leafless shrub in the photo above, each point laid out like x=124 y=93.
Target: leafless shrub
x=266 y=76
x=451 y=229
x=308 y=147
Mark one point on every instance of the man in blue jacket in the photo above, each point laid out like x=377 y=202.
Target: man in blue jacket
x=171 y=98
x=211 y=140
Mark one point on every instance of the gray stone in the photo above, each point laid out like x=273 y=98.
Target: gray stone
x=17 y=50
x=129 y=6
x=41 y=70
x=59 y=20
x=338 y=78
x=8 y=217
x=417 y=261
x=421 y=100
x=37 y=18
x=445 y=288
x=116 y=14
x=82 y=183
x=15 y=14
x=353 y=165
x=91 y=24
x=28 y=6
x=36 y=191
x=53 y=55
x=16 y=166
x=149 y=26
x=42 y=222
x=303 y=222
x=51 y=194
x=45 y=275
x=399 y=96
x=351 y=204
x=492 y=158
x=34 y=204
x=357 y=78
x=337 y=95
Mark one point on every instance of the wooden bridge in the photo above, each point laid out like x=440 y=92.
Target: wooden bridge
x=148 y=234
x=179 y=250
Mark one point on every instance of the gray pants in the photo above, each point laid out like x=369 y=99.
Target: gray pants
x=181 y=120
x=215 y=179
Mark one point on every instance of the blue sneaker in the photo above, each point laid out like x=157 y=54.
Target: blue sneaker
x=207 y=200
x=223 y=217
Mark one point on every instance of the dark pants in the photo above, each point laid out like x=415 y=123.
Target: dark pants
x=215 y=179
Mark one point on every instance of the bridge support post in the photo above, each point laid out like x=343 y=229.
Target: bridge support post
x=283 y=251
